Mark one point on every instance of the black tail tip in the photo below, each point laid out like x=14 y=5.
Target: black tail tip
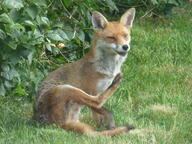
x=130 y=127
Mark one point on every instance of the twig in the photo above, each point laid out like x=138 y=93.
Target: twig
x=125 y=6
x=70 y=15
x=144 y=3
x=68 y=61
x=147 y=12
x=73 y=50
x=51 y=2
x=76 y=29
x=66 y=9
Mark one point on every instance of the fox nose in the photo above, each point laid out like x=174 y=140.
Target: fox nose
x=125 y=47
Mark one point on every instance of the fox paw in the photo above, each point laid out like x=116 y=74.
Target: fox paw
x=117 y=80
x=130 y=127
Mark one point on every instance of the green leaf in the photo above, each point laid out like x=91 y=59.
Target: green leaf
x=38 y=36
x=62 y=34
x=70 y=32
x=31 y=24
x=32 y=11
x=111 y=5
x=6 y=19
x=15 y=30
x=48 y=47
x=54 y=35
x=17 y=27
x=45 y=20
x=15 y=15
x=67 y=3
x=154 y=2
x=81 y=35
x=17 y=4
x=42 y=20
x=58 y=25
x=40 y=2
x=10 y=74
x=2 y=90
x=12 y=45
x=20 y=91
x=2 y=34
x=30 y=57
x=55 y=50
x=5 y=67
x=174 y=2
x=13 y=72
x=8 y=84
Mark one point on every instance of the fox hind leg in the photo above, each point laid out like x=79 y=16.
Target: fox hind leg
x=104 y=117
x=83 y=128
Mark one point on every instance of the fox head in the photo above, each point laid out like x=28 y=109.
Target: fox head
x=113 y=37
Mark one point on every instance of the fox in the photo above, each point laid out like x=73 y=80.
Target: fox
x=89 y=81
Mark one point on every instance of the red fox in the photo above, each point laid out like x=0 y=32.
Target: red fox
x=90 y=81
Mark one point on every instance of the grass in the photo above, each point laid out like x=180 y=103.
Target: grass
x=155 y=95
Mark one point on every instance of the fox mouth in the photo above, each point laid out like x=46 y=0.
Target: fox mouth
x=121 y=53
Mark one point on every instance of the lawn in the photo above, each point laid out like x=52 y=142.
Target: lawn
x=155 y=95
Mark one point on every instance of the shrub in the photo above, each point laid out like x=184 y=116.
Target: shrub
x=37 y=36
x=150 y=7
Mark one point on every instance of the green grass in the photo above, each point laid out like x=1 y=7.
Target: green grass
x=155 y=95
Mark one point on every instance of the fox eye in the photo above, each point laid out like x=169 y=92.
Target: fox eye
x=125 y=36
x=111 y=38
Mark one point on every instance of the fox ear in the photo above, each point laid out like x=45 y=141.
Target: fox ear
x=128 y=17
x=98 y=21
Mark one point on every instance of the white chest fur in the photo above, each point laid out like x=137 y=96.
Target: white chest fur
x=110 y=65
x=103 y=84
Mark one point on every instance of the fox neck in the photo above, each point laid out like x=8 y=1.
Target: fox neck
x=105 y=62
x=108 y=64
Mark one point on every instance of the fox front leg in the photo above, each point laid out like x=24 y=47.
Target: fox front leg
x=102 y=114
x=116 y=81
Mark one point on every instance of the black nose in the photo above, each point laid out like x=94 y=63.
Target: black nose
x=125 y=47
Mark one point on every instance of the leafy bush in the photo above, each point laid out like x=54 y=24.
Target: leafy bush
x=39 y=35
